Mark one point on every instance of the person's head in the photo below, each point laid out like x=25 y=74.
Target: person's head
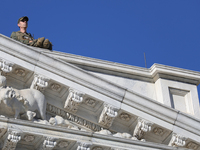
x=23 y=22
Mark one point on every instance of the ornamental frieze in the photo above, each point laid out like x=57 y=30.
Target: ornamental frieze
x=57 y=111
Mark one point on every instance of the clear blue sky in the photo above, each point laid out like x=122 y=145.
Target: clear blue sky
x=168 y=31
x=115 y=30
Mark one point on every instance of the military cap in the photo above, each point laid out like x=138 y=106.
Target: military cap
x=22 y=18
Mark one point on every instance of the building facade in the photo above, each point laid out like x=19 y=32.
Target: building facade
x=59 y=101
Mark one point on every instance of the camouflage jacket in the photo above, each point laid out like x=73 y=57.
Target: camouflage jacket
x=22 y=37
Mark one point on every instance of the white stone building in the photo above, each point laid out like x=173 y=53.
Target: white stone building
x=59 y=101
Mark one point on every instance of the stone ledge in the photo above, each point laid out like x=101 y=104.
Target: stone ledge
x=74 y=135
x=116 y=68
x=96 y=84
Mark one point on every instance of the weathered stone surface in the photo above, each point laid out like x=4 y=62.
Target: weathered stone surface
x=73 y=100
x=108 y=114
x=13 y=138
x=129 y=93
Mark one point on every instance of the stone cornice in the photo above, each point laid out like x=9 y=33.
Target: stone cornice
x=186 y=124
x=100 y=64
x=37 y=61
x=73 y=135
x=148 y=74
x=42 y=61
x=173 y=73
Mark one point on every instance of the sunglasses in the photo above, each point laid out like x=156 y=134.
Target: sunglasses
x=23 y=20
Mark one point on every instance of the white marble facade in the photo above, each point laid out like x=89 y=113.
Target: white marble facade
x=59 y=101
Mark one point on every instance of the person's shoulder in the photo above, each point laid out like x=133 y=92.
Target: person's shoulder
x=13 y=34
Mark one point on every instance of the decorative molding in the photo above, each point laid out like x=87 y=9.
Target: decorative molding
x=5 y=66
x=104 y=131
x=97 y=148
x=165 y=118
x=83 y=146
x=141 y=128
x=90 y=102
x=2 y=81
x=192 y=145
x=55 y=87
x=29 y=138
x=73 y=118
x=177 y=140
x=125 y=117
x=39 y=82
x=20 y=72
x=13 y=138
x=49 y=143
x=123 y=135
x=2 y=131
x=62 y=144
x=158 y=131
x=73 y=100
x=108 y=114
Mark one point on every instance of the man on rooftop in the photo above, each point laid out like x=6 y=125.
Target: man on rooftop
x=27 y=38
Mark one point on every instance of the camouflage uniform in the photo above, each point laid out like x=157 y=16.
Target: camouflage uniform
x=26 y=37
x=22 y=37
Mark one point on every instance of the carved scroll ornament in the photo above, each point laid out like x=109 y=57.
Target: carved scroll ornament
x=11 y=142
x=73 y=100
x=39 y=82
x=83 y=146
x=108 y=114
x=5 y=66
x=177 y=140
x=49 y=143
x=141 y=128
